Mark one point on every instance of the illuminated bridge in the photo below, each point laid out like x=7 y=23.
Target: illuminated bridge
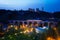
x=32 y=23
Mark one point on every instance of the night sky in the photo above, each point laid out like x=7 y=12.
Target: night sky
x=49 y=5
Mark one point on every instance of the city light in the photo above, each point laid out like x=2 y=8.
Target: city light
x=11 y=25
x=58 y=38
x=15 y=33
x=50 y=38
x=16 y=27
x=34 y=28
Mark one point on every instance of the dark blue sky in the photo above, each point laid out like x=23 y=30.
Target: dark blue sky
x=49 y=5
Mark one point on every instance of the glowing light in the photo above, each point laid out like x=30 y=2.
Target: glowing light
x=16 y=27
x=26 y=25
x=24 y=32
x=2 y=37
x=50 y=38
x=44 y=28
x=15 y=33
x=11 y=25
x=58 y=38
x=31 y=29
x=21 y=32
x=28 y=30
x=37 y=31
x=54 y=28
x=23 y=26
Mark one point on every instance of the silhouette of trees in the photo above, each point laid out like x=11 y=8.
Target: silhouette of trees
x=56 y=14
x=6 y=15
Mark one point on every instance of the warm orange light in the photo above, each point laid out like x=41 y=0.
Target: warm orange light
x=31 y=29
x=24 y=32
x=50 y=38
x=28 y=30
x=16 y=28
x=23 y=26
x=54 y=28
x=58 y=38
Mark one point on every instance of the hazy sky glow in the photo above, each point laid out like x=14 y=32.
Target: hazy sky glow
x=49 y=5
